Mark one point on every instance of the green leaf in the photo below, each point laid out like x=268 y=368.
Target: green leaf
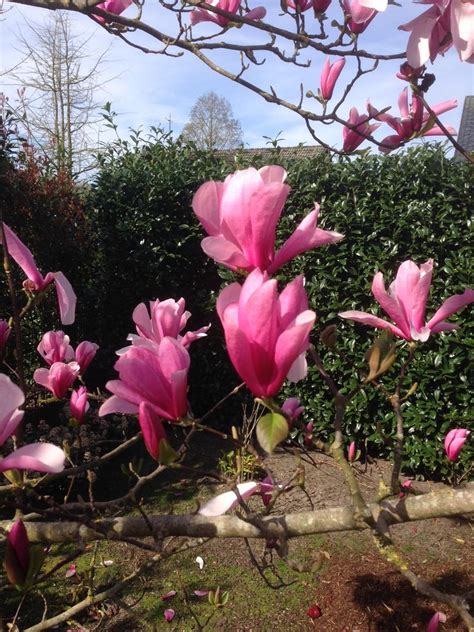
x=272 y=429
x=167 y=454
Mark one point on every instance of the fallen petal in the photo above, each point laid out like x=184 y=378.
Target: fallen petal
x=200 y=562
x=169 y=614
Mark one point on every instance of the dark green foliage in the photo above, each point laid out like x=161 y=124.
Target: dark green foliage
x=414 y=205
x=138 y=240
x=46 y=212
x=148 y=247
x=411 y=206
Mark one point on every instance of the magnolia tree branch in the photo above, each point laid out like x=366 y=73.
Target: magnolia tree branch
x=345 y=45
x=442 y=504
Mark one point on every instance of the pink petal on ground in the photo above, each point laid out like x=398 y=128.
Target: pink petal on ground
x=169 y=614
x=169 y=595
x=436 y=619
x=200 y=593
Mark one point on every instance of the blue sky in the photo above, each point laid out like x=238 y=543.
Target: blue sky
x=150 y=89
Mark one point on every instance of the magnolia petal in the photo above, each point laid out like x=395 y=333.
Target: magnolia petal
x=305 y=237
x=418 y=48
x=377 y=5
x=39 y=457
x=298 y=369
x=169 y=614
x=272 y=173
x=436 y=619
x=225 y=252
x=256 y=14
x=152 y=429
x=224 y=502
x=11 y=398
x=370 y=319
x=66 y=299
x=450 y=306
x=117 y=405
x=23 y=257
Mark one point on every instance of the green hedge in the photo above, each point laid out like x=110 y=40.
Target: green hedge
x=131 y=236
x=412 y=205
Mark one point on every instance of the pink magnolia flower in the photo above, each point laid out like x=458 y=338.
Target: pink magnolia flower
x=113 y=6
x=40 y=457
x=232 y=6
x=152 y=429
x=85 y=353
x=78 y=404
x=55 y=347
x=445 y=23
x=362 y=128
x=308 y=434
x=267 y=335
x=454 y=441
x=241 y=214
x=319 y=6
x=4 y=335
x=436 y=619
x=160 y=319
x=17 y=554
x=352 y=451
x=292 y=408
x=36 y=282
x=158 y=377
x=414 y=121
x=329 y=76
x=58 y=378
x=405 y=303
x=358 y=15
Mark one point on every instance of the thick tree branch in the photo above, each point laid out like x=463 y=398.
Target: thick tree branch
x=440 y=504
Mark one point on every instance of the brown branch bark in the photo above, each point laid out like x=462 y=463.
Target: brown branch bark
x=440 y=504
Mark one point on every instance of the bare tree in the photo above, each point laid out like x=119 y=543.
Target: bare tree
x=212 y=124
x=58 y=95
